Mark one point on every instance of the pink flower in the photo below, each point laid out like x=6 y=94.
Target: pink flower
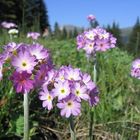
x=72 y=74
x=33 y=35
x=62 y=89
x=69 y=107
x=47 y=98
x=80 y=92
x=91 y=17
x=38 y=51
x=24 y=62
x=8 y=25
x=22 y=81
x=102 y=45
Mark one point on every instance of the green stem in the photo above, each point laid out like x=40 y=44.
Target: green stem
x=72 y=133
x=91 y=136
x=26 y=117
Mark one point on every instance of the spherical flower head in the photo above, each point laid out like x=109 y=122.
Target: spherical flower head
x=33 y=35
x=61 y=89
x=135 y=68
x=95 y=40
x=47 y=98
x=24 y=62
x=8 y=25
x=22 y=82
x=39 y=51
x=91 y=17
x=69 y=106
x=13 y=31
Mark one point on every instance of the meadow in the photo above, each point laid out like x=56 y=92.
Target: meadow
x=116 y=117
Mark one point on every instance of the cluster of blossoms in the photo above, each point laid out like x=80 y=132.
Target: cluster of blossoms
x=135 y=69
x=96 y=39
x=69 y=86
x=28 y=62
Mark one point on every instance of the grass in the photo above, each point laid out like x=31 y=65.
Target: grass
x=116 y=117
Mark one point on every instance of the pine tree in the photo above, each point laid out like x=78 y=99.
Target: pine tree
x=57 y=31
x=75 y=32
x=28 y=13
x=134 y=40
x=64 y=33
x=8 y=10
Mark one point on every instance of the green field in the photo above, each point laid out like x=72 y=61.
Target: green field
x=116 y=117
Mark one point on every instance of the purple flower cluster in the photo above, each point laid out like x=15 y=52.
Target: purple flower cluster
x=135 y=69
x=69 y=86
x=30 y=63
x=94 y=40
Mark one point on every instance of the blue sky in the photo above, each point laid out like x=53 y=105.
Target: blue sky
x=74 y=12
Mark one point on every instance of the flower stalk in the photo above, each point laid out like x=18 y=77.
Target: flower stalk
x=26 y=117
x=72 y=133
x=91 y=136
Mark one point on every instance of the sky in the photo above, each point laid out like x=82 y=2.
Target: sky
x=74 y=12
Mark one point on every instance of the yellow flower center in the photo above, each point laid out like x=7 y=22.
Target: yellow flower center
x=24 y=64
x=69 y=104
x=62 y=91
x=49 y=97
x=77 y=92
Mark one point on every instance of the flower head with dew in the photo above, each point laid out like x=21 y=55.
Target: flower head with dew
x=70 y=87
x=135 y=69
x=33 y=35
x=24 y=62
x=91 y=17
x=22 y=81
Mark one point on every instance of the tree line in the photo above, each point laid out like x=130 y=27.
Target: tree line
x=32 y=15
x=25 y=13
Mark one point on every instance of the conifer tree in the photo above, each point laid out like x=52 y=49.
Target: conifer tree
x=134 y=40
x=57 y=31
